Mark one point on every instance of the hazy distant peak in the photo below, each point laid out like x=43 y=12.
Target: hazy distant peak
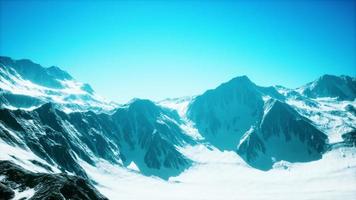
x=342 y=87
x=58 y=73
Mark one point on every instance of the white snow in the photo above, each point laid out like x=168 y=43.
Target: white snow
x=329 y=115
x=133 y=166
x=23 y=158
x=189 y=128
x=178 y=104
x=26 y=194
x=181 y=106
x=72 y=87
x=15 y=84
x=15 y=108
x=223 y=175
x=215 y=174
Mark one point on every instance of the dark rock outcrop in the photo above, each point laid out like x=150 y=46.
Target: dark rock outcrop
x=46 y=186
x=350 y=138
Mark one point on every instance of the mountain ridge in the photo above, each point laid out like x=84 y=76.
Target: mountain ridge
x=24 y=84
x=262 y=125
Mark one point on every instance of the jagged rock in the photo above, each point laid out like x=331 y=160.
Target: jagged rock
x=6 y=193
x=350 y=138
x=151 y=134
x=46 y=186
x=141 y=132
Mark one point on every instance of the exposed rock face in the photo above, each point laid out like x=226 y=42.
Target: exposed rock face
x=351 y=109
x=45 y=186
x=238 y=116
x=151 y=134
x=224 y=114
x=282 y=135
x=341 y=87
x=48 y=77
x=6 y=192
x=140 y=132
x=350 y=138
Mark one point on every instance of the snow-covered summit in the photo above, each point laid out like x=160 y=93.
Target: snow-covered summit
x=340 y=87
x=24 y=84
x=257 y=123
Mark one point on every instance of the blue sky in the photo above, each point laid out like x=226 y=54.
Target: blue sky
x=159 y=49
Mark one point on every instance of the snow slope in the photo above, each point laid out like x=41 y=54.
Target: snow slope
x=223 y=175
x=332 y=116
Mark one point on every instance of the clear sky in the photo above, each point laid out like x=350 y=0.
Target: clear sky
x=160 y=49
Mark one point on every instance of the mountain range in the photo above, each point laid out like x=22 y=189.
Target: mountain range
x=54 y=130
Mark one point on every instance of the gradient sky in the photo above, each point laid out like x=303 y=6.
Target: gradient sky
x=158 y=49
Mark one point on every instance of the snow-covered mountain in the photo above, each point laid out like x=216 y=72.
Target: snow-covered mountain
x=282 y=134
x=235 y=138
x=254 y=121
x=140 y=133
x=24 y=84
x=224 y=114
x=340 y=87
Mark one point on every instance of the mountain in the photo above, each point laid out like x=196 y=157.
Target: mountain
x=282 y=134
x=138 y=132
x=253 y=121
x=48 y=77
x=151 y=134
x=329 y=114
x=60 y=140
x=224 y=114
x=24 y=84
x=52 y=135
x=341 y=87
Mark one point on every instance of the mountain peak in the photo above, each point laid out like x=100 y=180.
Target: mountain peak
x=137 y=102
x=31 y=71
x=49 y=107
x=58 y=73
x=139 y=106
x=32 y=85
x=4 y=60
x=241 y=79
x=334 y=78
x=342 y=87
x=330 y=76
x=239 y=83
